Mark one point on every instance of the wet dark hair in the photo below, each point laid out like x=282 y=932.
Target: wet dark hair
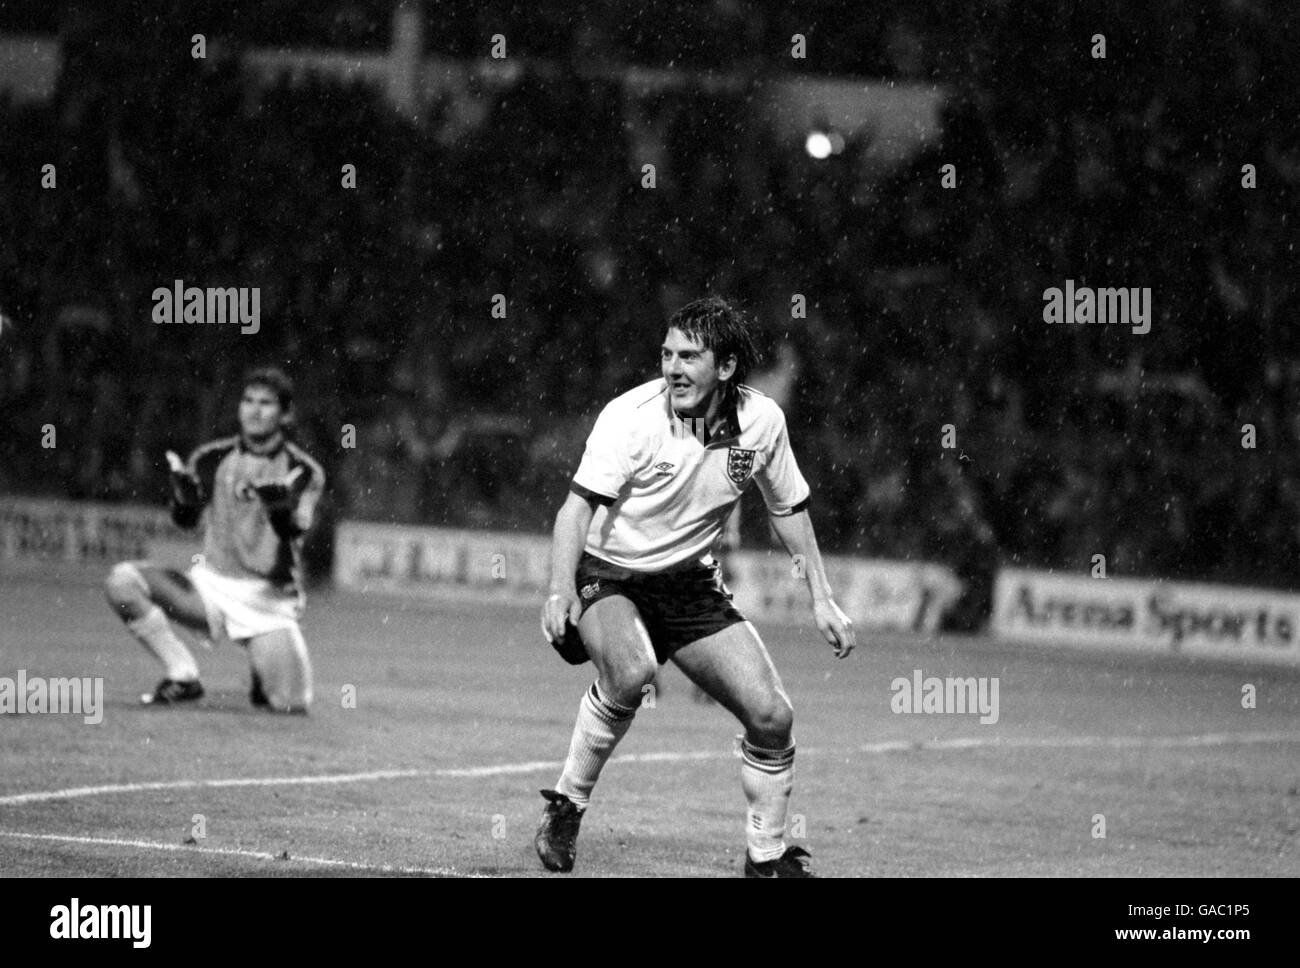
x=719 y=326
x=275 y=380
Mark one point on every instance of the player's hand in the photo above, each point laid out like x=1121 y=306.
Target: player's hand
x=278 y=492
x=185 y=486
x=561 y=608
x=835 y=627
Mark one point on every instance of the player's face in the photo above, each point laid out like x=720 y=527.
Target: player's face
x=259 y=413
x=693 y=376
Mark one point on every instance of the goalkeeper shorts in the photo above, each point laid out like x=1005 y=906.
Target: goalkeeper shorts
x=241 y=608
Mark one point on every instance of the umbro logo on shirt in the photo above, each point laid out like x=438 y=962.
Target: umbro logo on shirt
x=664 y=468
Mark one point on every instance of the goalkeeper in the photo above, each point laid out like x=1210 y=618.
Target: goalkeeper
x=256 y=493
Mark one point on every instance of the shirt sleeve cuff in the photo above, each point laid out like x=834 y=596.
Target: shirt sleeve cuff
x=590 y=495
x=801 y=506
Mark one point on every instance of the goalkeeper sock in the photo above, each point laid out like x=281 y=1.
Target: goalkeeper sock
x=767 y=777
x=155 y=633
x=601 y=724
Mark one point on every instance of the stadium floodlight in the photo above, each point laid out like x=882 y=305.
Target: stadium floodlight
x=818 y=145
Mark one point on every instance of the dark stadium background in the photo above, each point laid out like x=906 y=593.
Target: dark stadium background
x=924 y=303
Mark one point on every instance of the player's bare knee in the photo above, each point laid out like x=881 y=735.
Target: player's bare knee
x=626 y=683
x=288 y=706
x=126 y=589
x=770 y=724
x=285 y=698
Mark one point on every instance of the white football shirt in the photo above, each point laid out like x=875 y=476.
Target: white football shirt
x=665 y=490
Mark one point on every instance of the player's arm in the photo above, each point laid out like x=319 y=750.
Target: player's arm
x=605 y=468
x=786 y=494
x=187 y=497
x=796 y=533
x=567 y=541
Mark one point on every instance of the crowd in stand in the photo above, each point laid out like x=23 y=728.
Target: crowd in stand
x=924 y=302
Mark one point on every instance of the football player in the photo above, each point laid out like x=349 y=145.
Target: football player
x=634 y=584
x=256 y=493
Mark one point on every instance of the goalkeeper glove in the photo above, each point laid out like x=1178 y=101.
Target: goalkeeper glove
x=278 y=494
x=185 y=486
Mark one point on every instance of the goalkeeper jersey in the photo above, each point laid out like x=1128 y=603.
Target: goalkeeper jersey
x=240 y=539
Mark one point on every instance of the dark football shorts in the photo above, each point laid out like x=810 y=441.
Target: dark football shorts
x=678 y=607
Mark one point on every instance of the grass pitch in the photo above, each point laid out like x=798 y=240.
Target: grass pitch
x=462 y=712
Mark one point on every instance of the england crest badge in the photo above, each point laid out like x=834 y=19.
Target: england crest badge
x=740 y=464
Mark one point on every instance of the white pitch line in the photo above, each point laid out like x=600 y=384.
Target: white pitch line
x=537 y=766
x=1081 y=742
x=504 y=769
x=75 y=793
x=230 y=852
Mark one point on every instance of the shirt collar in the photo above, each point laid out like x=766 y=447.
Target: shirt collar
x=729 y=426
x=726 y=427
x=267 y=450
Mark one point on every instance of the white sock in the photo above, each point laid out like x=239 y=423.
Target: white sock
x=767 y=777
x=155 y=633
x=601 y=724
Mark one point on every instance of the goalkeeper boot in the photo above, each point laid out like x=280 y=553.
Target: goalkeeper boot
x=557 y=837
x=793 y=863
x=169 y=692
